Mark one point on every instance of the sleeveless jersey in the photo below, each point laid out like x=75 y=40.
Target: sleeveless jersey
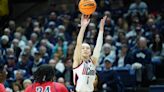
x=46 y=87
x=84 y=76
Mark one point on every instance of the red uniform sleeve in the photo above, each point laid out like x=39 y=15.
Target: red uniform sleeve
x=64 y=89
x=61 y=88
x=2 y=88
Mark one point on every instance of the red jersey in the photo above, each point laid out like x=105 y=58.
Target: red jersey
x=2 y=88
x=46 y=87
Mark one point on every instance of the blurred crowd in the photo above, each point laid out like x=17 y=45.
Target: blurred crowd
x=133 y=39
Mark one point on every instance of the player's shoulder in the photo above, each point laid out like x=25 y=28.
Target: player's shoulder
x=1 y=86
x=58 y=84
x=28 y=89
x=60 y=87
x=76 y=66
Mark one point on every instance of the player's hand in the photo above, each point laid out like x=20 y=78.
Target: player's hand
x=85 y=20
x=102 y=23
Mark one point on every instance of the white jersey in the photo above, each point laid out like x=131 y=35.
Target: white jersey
x=84 y=76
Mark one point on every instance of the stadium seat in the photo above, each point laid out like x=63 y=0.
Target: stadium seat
x=128 y=78
x=156 y=88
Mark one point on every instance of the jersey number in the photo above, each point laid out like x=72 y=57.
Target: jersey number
x=40 y=89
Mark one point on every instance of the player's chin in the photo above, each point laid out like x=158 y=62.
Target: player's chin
x=85 y=55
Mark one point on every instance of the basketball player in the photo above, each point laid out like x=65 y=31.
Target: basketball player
x=44 y=77
x=2 y=78
x=84 y=63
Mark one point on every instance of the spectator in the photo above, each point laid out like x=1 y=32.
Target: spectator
x=60 y=47
x=117 y=7
x=31 y=48
x=16 y=87
x=106 y=52
x=48 y=45
x=121 y=25
x=157 y=48
x=26 y=83
x=109 y=24
x=21 y=37
x=68 y=73
x=138 y=7
x=150 y=29
x=59 y=63
x=43 y=53
x=58 y=72
x=121 y=39
x=61 y=80
x=12 y=26
x=25 y=64
x=19 y=34
x=70 y=51
x=110 y=80
x=9 y=89
x=52 y=16
x=135 y=32
x=60 y=53
x=17 y=49
x=28 y=27
x=91 y=34
x=38 y=60
x=34 y=39
x=110 y=40
x=41 y=21
x=2 y=58
x=5 y=43
x=28 y=50
x=10 y=52
x=50 y=35
x=8 y=33
x=123 y=57
x=19 y=77
x=11 y=66
x=142 y=62
x=68 y=66
x=95 y=17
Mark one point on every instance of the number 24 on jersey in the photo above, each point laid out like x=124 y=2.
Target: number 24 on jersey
x=40 y=89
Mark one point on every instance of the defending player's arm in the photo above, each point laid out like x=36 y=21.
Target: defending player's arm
x=77 y=52
x=99 y=43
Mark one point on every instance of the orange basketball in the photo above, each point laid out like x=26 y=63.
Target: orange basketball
x=87 y=7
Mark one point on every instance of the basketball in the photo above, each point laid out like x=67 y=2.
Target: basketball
x=87 y=7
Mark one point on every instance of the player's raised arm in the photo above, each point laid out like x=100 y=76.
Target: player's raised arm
x=77 y=52
x=97 y=49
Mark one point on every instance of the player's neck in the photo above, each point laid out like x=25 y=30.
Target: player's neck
x=85 y=58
